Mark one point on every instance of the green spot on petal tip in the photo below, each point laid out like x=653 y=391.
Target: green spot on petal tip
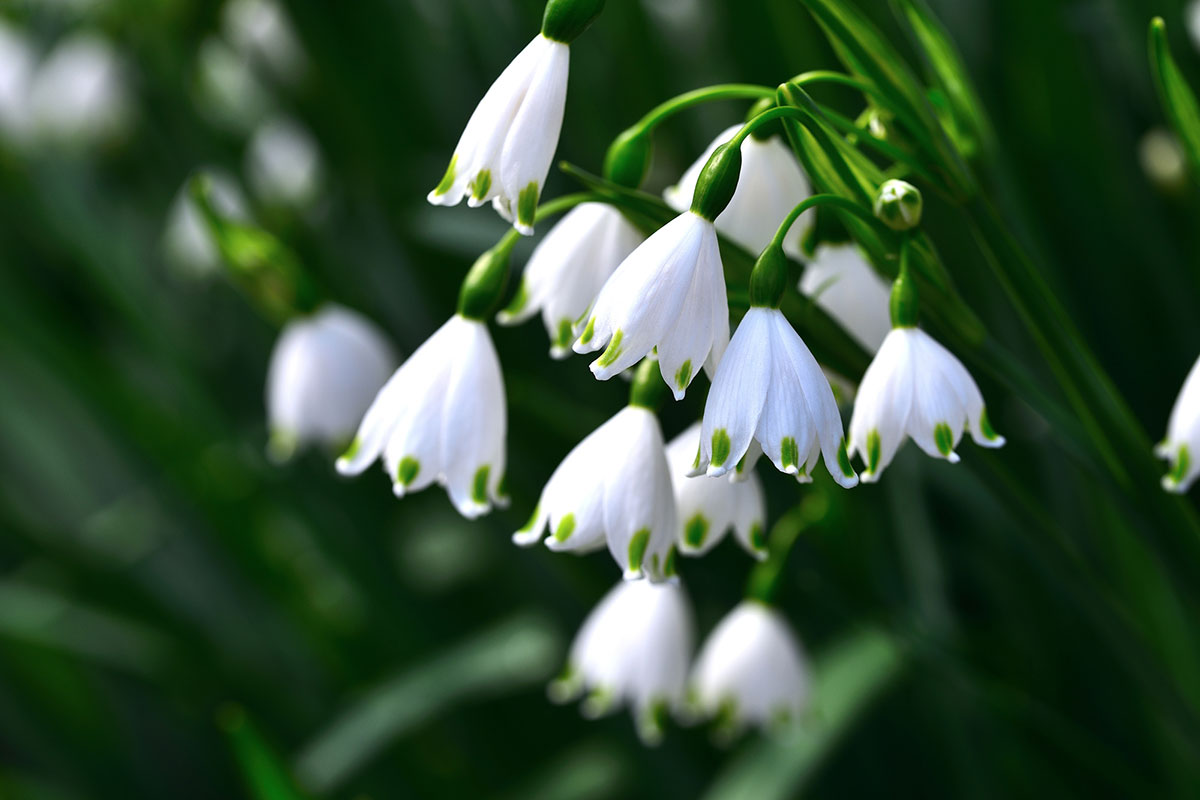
x=637 y=548
x=720 y=447
x=695 y=531
x=407 y=471
x=612 y=352
x=566 y=526
x=479 y=485
x=943 y=438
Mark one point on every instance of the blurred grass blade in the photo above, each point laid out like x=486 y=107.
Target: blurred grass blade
x=947 y=70
x=589 y=771
x=516 y=654
x=266 y=776
x=846 y=679
x=1177 y=97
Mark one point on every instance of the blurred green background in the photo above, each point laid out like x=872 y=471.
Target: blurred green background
x=156 y=568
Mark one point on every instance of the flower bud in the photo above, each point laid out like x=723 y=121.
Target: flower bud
x=565 y=20
x=628 y=158
x=769 y=278
x=898 y=205
x=718 y=181
x=484 y=285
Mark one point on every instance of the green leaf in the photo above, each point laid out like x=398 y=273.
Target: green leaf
x=947 y=70
x=266 y=776
x=846 y=678
x=1177 y=97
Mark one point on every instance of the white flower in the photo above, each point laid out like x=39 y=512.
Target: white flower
x=634 y=648
x=568 y=267
x=187 y=240
x=770 y=185
x=17 y=62
x=79 y=94
x=324 y=372
x=751 y=670
x=708 y=507
x=770 y=389
x=283 y=164
x=1182 y=444
x=505 y=151
x=441 y=417
x=670 y=294
x=915 y=387
x=261 y=29
x=614 y=488
x=228 y=91
x=841 y=281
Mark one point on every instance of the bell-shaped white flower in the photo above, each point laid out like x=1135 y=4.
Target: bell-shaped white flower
x=670 y=294
x=915 y=387
x=325 y=370
x=770 y=186
x=79 y=95
x=613 y=488
x=441 y=417
x=750 y=671
x=261 y=29
x=634 y=648
x=567 y=269
x=1183 y=436
x=840 y=280
x=508 y=144
x=17 y=64
x=283 y=164
x=770 y=389
x=709 y=507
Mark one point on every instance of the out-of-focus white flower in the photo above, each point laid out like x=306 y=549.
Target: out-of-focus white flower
x=750 y=671
x=228 y=92
x=1183 y=436
x=325 y=371
x=614 y=488
x=506 y=149
x=1162 y=159
x=841 y=281
x=1192 y=21
x=283 y=164
x=634 y=648
x=770 y=389
x=670 y=294
x=709 y=507
x=17 y=63
x=260 y=28
x=915 y=388
x=79 y=94
x=567 y=269
x=441 y=417
x=770 y=186
x=187 y=240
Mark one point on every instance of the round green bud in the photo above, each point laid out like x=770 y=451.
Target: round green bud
x=717 y=182
x=483 y=288
x=628 y=158
x=565 y=20
x=898 y=205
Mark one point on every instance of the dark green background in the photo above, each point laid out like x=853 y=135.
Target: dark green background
x=154 y=566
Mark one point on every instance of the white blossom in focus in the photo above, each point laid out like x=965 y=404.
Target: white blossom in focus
x=709 y=507
x=770 y=185
x=441 y=417
x=507 y=147
x=915 y=387
x=633 y=649
x=324 y=372
x=567 y=269
x=668 y=294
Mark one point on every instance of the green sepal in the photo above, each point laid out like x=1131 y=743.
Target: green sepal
x=566 y=20
x=769 y=278
x=717 y=182
x=628 y=158
x=483 y=288
x=647 y=390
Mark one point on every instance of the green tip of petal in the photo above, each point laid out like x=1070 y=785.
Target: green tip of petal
x=720 y=447
x=352 y=450
x=1179 y=471
x=566 y=334
x=695 y=531
x=684 y=375
x=637 y=548
x=874 y=450
x=449 y=178
x=844 y=461
x=669 y=563
x=479 y=485
x=613 y=351
x=533 y=518
x=789 y=454
x=589 y=331
x=566 y=526
x=527 y=202
x=519 y=301
x=407 y=471
x=985 y=427
x=758 y=537
x=943 y=438
x=481 y=184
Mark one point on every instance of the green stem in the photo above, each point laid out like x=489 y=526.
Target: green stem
x=696 y=97
x=765 y=577
x=831 y=200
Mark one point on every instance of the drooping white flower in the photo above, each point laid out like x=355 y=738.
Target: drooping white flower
x=568 y=267
x=283 y=164
x=508 y=144
x=634 y=648
x=79 y=94
x=915 y=387
x=751 y=670
x=613 y=488
x=670 y=294
x=441 y=417
x=770 y=186
x=325 y=370
x=17 y=64
x=840 y=280
x=709 y=507
x=187 y=240
x=1183 y=436
x=770 y=389
x=261 y=29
